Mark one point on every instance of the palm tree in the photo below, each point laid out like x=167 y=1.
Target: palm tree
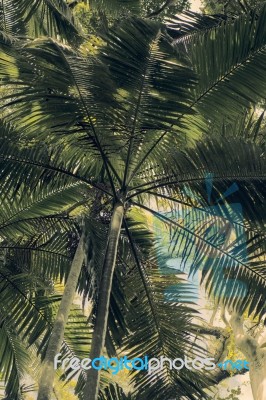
x=57 y=334
x=35 y=253
x=120 y=116
x=20 y=229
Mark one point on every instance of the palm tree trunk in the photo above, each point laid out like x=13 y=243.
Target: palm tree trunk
x=99 y=334
x=255 y=354
x=57 y=335
x=257 y=375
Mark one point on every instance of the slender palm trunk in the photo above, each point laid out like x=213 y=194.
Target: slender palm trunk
x=57 y=335
x=93 y=377
x=257 y=375
x=255 y=354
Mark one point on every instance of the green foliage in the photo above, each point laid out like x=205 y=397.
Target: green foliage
x=235 y=51
x=156 y=325
x=158 y=108
x=150 y=7
x=37 y=18
x=114 y=392
x=98 y=16
x=142 y=8
x=84 y=14
x=231 y=6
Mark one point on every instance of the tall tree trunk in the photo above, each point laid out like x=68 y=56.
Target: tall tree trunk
x=99 y=334
x=57 y=335
x=255 y=354
x=257 y=375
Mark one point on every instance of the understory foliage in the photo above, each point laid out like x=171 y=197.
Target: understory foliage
x=166 y=119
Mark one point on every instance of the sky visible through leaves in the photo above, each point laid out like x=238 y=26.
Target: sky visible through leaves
x=195 y=5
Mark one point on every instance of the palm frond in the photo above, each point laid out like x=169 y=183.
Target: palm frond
x=229 y=60
x=184 y=25
x=114 y=392
x=149 y=79
x=43 y=205
x=156 y=325
x=132 y=109
x=40 y=163
x=14 y=359
x=233 y=269
x=38 y=18
x=227 y=160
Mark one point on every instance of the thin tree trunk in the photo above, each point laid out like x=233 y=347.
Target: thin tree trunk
x=57 y=335
x=99 y=334
x=255 y=354
x=257 y=375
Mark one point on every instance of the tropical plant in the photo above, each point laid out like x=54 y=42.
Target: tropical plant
x=150 y=8
x=229 y=7
x=37 y=18
x=124 y=124
x=35 y=251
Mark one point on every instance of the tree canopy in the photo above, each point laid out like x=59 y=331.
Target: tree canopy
x=158 y=136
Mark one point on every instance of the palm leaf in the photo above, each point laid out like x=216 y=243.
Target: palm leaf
x=235 y=272
x=15 y=360
x=182 y=26
x=37 y=18
x=229 y=60
x=156 y=327
x=114 y=392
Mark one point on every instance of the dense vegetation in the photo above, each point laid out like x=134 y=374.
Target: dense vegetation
x=129 y=138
